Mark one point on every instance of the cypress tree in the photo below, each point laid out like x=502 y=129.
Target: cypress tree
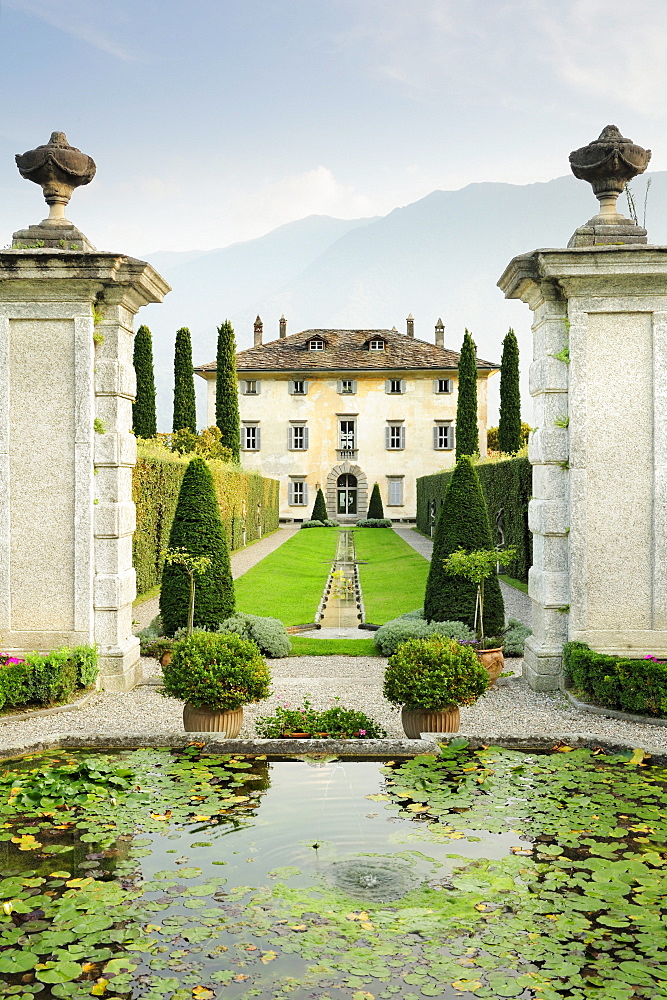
x=467 y=431
x=144 y=423
x=319 y=508
x=198 y=530
x=509 y=427
x=226 y=391
x=375 y=508
x=185 y=407
x=463 y=523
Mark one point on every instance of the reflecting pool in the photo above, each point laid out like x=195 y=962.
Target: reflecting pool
x=178 y=875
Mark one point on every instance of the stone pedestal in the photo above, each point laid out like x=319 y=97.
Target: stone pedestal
x=66 y=452
x=599 y=453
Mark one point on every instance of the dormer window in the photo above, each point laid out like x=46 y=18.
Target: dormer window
x=316 y=344
x=376 y=345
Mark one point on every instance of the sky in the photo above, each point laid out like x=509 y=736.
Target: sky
x=215 y=121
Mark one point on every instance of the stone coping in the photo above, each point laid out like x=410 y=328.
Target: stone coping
x=352 y=749
x=612 y=713
x=36 y=713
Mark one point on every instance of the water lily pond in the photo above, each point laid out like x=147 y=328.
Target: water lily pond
x=177 y=875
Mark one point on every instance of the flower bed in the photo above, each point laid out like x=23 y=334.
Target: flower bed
x=336 y=722
x=46 y=679
x=635 y=686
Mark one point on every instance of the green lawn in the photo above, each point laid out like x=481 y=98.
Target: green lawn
x=303 y=645
x=394 y=580
x=288 y=583
x=511 y=582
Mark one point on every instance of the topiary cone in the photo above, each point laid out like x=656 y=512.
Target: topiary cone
x=375 y=508
x=319 y=508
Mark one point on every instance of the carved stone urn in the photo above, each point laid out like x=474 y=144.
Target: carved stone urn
x=608 y=163
x=58 y=168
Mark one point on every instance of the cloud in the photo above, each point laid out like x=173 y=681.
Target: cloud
x=81 y=19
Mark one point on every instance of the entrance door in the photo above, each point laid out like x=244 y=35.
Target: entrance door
x=347 y=494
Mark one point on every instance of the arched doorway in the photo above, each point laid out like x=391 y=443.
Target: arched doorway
x=346 y=494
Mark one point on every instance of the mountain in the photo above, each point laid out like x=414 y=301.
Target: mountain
x=440 y=256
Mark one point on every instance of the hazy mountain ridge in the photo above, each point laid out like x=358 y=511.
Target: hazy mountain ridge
x=440 y=256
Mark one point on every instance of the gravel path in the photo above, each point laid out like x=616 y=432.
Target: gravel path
x=510 y=708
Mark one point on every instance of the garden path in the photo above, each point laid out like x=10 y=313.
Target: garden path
x=517 y=604
x=242 y=560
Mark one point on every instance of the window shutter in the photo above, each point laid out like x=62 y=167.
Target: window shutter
x=404 y=385
x=436 y=431
x=436 y=385
x=290 y=439
x=449 y=385
x=339 y=386
x=452 y=436
x=290 y=492
x=258 y=387
x=257 y=438
x=305 y=439
x=387 y=432
x=305 y=494
x=290 y=387
x=354 y=385
x=387 y=385
x=305 y=388
x=402 y=437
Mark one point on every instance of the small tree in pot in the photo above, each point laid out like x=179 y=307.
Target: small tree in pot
x=216 y=675
x=477 y=567
x=431 y=678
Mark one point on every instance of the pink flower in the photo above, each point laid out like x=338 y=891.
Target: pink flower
x=362 y=732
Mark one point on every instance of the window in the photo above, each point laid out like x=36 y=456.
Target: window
x=297 y=437
x=395 y=484
x=395 y=386
x=251 y=387
x=443 y=435
x=376 y=345
x=443 y=385
x=250 y=436
x=298 y=387
x=347 y=435
x=297 y=492
x=316 y=345
x=347 y=386
x=395 y=435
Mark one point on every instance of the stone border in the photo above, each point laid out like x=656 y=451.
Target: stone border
x=612 y=713
x=39 y=712
x=355 y=749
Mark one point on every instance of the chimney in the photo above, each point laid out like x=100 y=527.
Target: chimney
x=439 y=334
x=259 y=326
x=411 y=326
x=283 y=327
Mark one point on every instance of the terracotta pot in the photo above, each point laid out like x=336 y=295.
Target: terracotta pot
x=209 y=720
x=493 y=662
x=165 y=659
x=421 y=720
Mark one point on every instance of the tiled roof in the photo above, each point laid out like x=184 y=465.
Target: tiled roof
x=347 y=350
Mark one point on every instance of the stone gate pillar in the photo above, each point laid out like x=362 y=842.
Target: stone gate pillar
x=599 y=453
x=66 y=449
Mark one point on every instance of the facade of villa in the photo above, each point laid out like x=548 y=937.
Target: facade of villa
x=344 y=409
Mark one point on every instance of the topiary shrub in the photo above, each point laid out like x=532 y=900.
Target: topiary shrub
x=514 y=637
x=46 y=679
x=320 y=512
x=267 y=633
x=375 y=510
x=227 y=393
x=463 y=524
x=467 y=429
x=220 y=672
x=197 y=529
x=319 y=524
x=185 y=404
x=434 y=674
x=372 y=522
x=144 y=422
x=414 y=626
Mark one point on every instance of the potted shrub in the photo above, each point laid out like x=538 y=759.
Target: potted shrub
x=431 y=678
x=477 y=567
x=215 y=675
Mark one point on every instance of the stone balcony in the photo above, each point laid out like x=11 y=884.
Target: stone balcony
x=347 y=453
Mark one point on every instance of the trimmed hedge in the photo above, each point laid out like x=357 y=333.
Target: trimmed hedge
x=624 y=684
x=156 y=483
x=48 y=679
x=508 y=485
